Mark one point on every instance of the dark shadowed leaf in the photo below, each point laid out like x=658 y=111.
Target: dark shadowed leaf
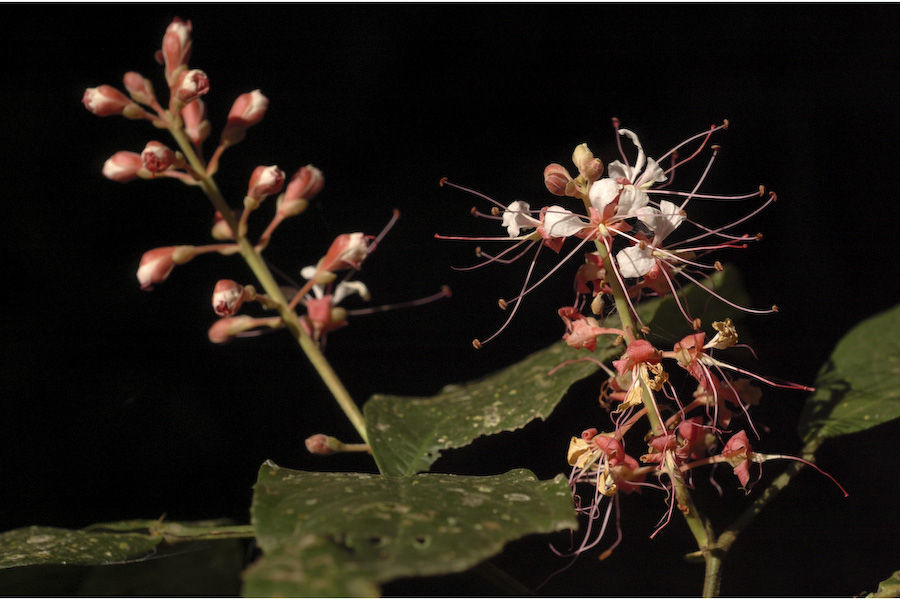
x=51 y=545
x=337 y=534
x=859 y=386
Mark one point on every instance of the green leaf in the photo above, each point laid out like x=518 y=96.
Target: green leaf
x=338 y=534
x=889 y=588
x=859 y=386
x=51 y=545
x=407 y=434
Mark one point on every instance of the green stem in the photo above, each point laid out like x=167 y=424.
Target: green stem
x=699 y=525
x=264 y=275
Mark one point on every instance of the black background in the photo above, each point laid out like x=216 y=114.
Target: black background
x=116 y=406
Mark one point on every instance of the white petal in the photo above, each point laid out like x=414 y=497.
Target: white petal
x=639 y=163
x=517 y=216
x=559 y=222
x=652 y=174
x=602 y=192
x=346 y=288
x=669 y=219
x=618 y=170
x=635 y=261
x=630 y=200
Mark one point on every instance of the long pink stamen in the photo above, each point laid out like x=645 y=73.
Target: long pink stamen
x=444 y=293
x=739 y=402
x=756 y=311
x=444 y=182
x=696 y=152
x=704 y=133
x=755 y=194
x=478 y=343
x=718 y=231
x=702 y=177
x=380 y=236
x=787 y=385
x=800 y=460
x=549 y=273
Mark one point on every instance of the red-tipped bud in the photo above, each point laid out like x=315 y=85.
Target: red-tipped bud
x=557 y=179
x=247 y=110
x=195 y=124
x=139 y=87
x=191 y=85
x=265 y=181
x=157 y=264
x=225 y=329
x=105 y=100
x=122 y=166
x=176 y=46
x=347 y=251
x=157 y=157
x=319 y=444
x=227 y=297
x=220 y=228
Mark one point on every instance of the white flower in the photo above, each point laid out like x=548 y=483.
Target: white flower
x=516 y=217
x=651 y=174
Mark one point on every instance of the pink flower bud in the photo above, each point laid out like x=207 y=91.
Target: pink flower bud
x=122 y=166
x=191 y=85
x=265 y=181
x=318 y=444
x=176 y=45
x=157 y=264
x=157 y=157
x=306 y=183
x=556 y=178
x=225 y=329
x=220 y=228
x=247 y=110
x=195 y=123
x=105 y=100
x=227 y=297
x=139 y=87
x=347 y=251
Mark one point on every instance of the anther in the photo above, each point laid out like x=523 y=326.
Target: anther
x=442 y=181
x=773 y=196
x=445 y=289
x=502 y=304
x=725 y=123
x=759 y=237
x=615 y=122
x=774 y=308
x=495 y=211
x=697 y=324
x=718 y=266
x=762 y=190
x=478 y=251
x=715 y=148
x=645 y=330
x=473 y=211
x=476 y=344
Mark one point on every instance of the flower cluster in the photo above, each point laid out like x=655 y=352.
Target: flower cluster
x=184 y=116
x=631 y=232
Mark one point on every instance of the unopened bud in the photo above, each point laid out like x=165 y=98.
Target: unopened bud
x=176 y=46
x=220 y=229
x=157 y=157
x=556 y=178
x=105 y=100
x=225 y=329
x=191 y=85
x=122 y=166
x=304 y=185
x=139 y=88
x=227 y=297
x=157 y=264
x=247 y=110
x=321 y=444
x=347 y=251
x=265 y=181
x=195 y=123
